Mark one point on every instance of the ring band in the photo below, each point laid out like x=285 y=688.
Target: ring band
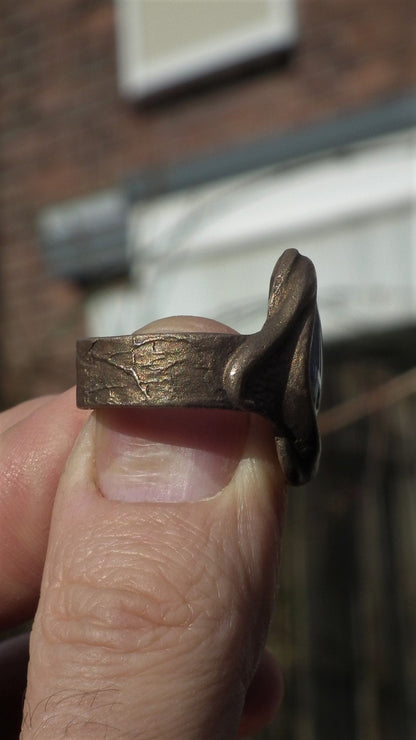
x=154 y=370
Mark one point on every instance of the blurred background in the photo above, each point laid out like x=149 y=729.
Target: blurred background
x=157 y=156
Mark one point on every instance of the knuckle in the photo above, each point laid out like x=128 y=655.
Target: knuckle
x=125 y=598
x=114 y=598
x=116 y=618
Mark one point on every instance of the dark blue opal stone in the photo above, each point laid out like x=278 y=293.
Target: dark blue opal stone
x=315 y=362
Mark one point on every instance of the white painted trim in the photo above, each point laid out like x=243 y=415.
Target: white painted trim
x=268 y=204
x=210 y=250
x=139 y=78
x=214 y=246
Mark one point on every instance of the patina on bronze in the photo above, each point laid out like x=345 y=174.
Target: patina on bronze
x=275 y=372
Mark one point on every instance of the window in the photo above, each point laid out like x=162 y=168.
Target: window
x=166 y=43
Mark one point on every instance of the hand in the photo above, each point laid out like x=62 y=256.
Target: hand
x=160 y=571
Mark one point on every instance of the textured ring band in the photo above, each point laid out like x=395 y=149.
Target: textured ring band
x=154 y=370
x=274 y=372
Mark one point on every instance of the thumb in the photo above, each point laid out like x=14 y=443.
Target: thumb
x=159 y=578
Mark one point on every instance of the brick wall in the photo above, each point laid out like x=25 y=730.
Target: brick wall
x=66 y=132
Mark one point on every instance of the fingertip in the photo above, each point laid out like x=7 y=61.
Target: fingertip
x=185 y=323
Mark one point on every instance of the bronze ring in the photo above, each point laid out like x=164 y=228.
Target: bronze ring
x=275 y=372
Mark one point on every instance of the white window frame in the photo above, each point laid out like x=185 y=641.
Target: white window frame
x=140 y=77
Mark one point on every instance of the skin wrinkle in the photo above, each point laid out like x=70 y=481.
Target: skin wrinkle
x=77 y=602
x=148 y=606
x=110 y=631
x=103 y=570
x=143 y=607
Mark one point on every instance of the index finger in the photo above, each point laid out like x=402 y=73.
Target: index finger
x=35 y=442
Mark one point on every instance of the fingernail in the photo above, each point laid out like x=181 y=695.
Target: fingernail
x=167 y=454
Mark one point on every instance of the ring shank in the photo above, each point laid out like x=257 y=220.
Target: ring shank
x=155 y=370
